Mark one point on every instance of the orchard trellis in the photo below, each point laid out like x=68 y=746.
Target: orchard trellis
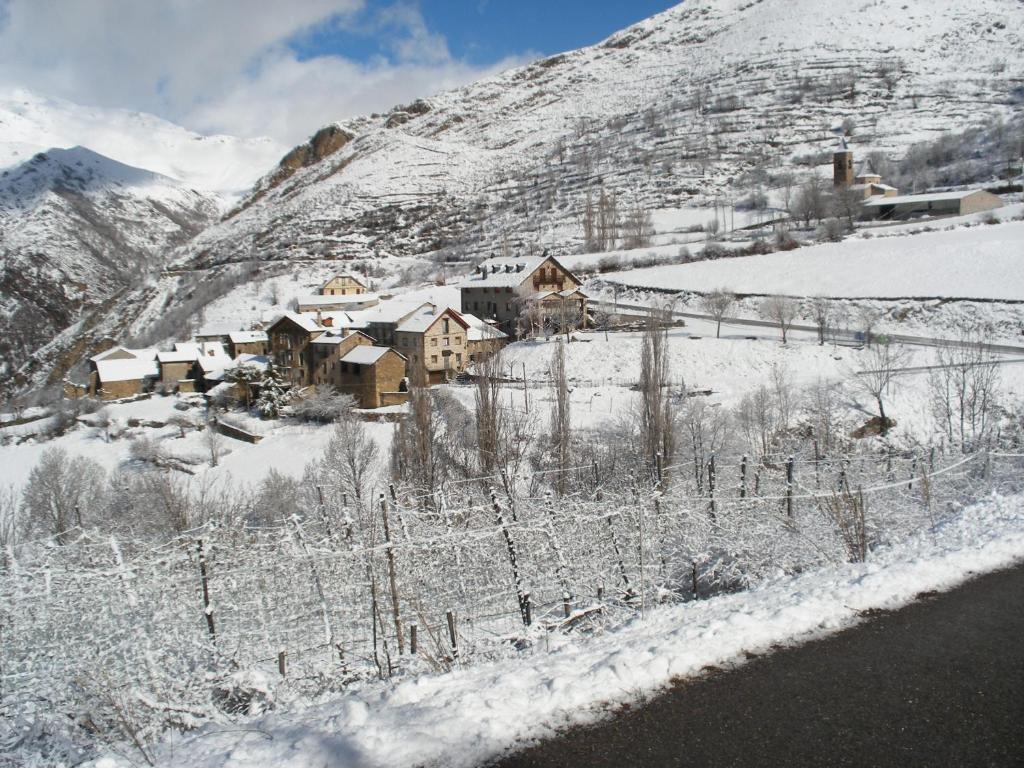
x=338 y=595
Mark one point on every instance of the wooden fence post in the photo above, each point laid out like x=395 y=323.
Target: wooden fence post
x=789 y=486
x=711 y=485
x=743 y=477
x=451 y=634
x=204 y=579
x=392 y=577
x=282 y=662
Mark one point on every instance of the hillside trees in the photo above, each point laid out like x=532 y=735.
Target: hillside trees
x=656 y=417
x=963 y=391
x=60 y=494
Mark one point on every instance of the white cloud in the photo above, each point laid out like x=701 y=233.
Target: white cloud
x=224 y=65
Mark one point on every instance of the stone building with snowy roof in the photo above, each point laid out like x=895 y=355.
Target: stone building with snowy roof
x=483 y=338
x=502 y=289
x=289 y=341
x=435 y=342
x=122 y=372
x=374 y=375
x=248 y=343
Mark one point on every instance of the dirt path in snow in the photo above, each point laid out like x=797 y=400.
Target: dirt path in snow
x=939 y=683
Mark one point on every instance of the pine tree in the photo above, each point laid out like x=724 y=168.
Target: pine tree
x=275 y=393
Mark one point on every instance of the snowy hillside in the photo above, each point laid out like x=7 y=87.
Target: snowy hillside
x=984 y=262
x=706 y=100
x=77 y=228
x=225 y=165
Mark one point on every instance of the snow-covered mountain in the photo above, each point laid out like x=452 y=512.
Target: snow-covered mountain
x=224 y=165
x=77 y=228
x=702 y=100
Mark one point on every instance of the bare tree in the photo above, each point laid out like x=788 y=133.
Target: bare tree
x=637 y=226
x=810 y=202
x=780 y=310
x=822 y=312
x=963 y=390
x=60 y=493
x=882 y=363
x=560 y=420
x=717 y=304
x=213 y=441
x=656 y=415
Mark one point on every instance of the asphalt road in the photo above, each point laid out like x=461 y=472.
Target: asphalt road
x=939 y=683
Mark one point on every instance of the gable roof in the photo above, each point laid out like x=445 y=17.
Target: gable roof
x=394 y=311
x=305 y=322
x=511 y=272
x=424 y=319
x=333 y=338
x=146 y=353
x=341 y=275
x=218 y=329
x=363 y=355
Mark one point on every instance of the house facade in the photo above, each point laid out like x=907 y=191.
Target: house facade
x=373 y=375
x=435 y=342
x=343 y=284
x=248 y=343
x=327 y=351
x=500 y=289
x=290 y=339
x=958 y=203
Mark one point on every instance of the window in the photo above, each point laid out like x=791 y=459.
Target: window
x=433 y=341
x=458 y=339
x=508 y=306
x=458 y=358
x=476 y=305
x=447 y=341
x=433 y=359
x=444 y=326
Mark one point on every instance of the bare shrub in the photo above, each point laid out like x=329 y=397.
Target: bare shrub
x=847 y=510
x=781 y=310
x=717 y=304
x=61 y=494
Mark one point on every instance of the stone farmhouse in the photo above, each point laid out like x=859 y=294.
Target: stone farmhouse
x=503 y=289
x=248 y=343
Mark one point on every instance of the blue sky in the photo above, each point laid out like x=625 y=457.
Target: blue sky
x=482 y=32
x=283 y=68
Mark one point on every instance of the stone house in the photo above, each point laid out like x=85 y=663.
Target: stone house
x=375 y=376
x=382 y=321
x=328 y=349
x=343 y=284
x=123 y=372
x=186 y=366
x=290 y=340
x=436 y=343
x=500 y=289
x=248 y=343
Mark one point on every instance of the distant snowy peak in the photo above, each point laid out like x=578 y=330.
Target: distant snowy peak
x=225 y=165
x=79 y=170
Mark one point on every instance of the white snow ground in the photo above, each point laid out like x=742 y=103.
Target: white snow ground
x=982 y=262
x=467 y=716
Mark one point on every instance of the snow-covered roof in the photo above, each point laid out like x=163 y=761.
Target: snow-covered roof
x=186 y=356
x=394 y=311
x=335 y=337
x=147 y=353
x=502 y=272
x=424 y=318
x=213 y=358
x=541 y=295
x=128 y=369
x=480 y=330
x=217 y=329
x=247 y=337
x=365 y=355
x=324 y=300
x=931 y=197
x=305 y=322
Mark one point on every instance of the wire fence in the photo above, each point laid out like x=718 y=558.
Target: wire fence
x=333 y=597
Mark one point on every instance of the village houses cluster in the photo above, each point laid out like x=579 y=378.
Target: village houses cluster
x=368 y=345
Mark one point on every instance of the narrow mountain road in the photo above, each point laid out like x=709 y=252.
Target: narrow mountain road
x=939 y=683
x=843 y=334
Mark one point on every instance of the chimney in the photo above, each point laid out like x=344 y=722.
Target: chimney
x=508 y=267
x=319 y=318
x=520 y=267
x=328 y=322
x=483 y=271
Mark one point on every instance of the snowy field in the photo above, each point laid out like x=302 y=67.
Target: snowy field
x=467 y=716
x=983 y=262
